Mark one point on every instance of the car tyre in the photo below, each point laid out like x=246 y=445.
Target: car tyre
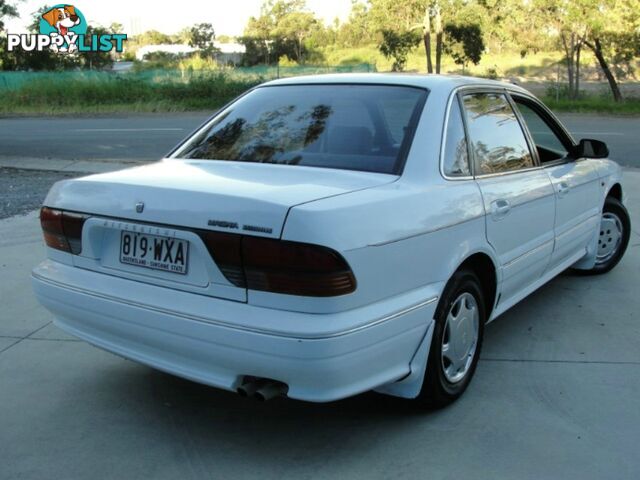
x=613 y=239
x=459 y=322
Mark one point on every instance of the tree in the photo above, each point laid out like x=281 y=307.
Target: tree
x=281 y=30
x=152 y=37
x=182 y=37
x=438 y=25
x=426 y=38
x=407 y=16
x=564 y=21
x=601 y=25
x=202 y=36
x=621 y=47
x=7 y=10
x=257 y=37
x=505 y=25
x=357 y=29
x=427 y=16
x=116 y=27
x=397 y=46
x=614 y=33
x=464 y=43
x=296 y=26
x=401 y=15
x=96 y=60
x=225 y=38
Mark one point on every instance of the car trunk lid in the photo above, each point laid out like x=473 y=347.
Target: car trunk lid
x=172 y=198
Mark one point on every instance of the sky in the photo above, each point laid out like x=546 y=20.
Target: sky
x=227 y=17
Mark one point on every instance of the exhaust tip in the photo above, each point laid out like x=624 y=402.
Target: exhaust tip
x=262 y=389
x=271 y=390
x=249 y=388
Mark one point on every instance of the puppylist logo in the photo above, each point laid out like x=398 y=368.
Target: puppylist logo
x=63 y=29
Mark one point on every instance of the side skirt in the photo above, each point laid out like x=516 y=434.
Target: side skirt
x=503 y=307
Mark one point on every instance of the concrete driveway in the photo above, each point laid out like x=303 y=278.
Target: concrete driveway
x=556 y=395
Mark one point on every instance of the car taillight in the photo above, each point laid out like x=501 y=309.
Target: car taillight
x=280 y=266
x=295 y=268
x=62 y=230
x=225 y=249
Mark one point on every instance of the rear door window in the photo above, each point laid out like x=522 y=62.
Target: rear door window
x=497 y=140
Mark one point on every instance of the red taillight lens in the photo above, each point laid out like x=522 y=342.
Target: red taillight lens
x=225 y=248
x=295 y=268
x=72 y=224
x=280 y=266
x=62 y=230
x=51 y=223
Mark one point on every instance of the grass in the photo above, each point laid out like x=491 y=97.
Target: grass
x=504 y=64
x=171 y=91
x=117 y=94
x=594 y=105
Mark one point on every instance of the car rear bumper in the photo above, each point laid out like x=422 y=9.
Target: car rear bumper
x=207 y=340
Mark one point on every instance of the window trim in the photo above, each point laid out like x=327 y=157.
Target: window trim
x=443 y=141
x=466 y=90
x=525 y=130
x=463 y=89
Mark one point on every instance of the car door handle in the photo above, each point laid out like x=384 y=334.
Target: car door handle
x=500 y=209
x=563 y=189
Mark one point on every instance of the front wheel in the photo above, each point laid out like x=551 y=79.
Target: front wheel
x=456 y=341
x=613 y=236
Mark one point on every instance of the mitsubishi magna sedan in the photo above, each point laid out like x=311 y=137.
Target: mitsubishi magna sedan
x=324 y=236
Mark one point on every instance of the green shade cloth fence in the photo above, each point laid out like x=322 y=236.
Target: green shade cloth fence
x=10 y=80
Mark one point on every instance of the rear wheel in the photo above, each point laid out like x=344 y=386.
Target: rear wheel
x=456 y=341
x=613 y=236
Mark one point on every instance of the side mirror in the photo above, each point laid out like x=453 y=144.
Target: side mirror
x=589 y=148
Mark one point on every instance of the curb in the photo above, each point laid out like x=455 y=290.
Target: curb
x=60 y=165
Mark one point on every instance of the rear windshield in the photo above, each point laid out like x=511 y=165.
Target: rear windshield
x=352 y=127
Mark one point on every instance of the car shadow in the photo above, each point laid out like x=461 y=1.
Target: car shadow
x=212 y=422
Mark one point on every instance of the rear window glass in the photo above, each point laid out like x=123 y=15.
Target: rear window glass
x=353 y=127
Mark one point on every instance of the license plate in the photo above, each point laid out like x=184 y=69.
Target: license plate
x=153 y=251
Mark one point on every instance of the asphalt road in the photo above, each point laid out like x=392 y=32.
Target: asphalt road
x=150 y=136
x=131 y=137
x=555 y=396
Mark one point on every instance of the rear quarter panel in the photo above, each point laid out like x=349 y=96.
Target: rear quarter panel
x=397 y=238
x=406 y=236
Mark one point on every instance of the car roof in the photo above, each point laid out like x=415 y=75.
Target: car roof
x=439 y=83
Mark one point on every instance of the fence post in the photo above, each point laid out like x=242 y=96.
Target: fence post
x=558 y=82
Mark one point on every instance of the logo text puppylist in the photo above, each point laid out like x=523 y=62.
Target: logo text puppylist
x=63 y=29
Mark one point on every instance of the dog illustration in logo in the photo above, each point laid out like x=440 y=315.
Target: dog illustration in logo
x=62 y=19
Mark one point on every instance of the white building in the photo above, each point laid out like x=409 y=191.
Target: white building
x=229 y=52
x=178 y=50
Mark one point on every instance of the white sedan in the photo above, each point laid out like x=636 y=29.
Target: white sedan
x=323 y=236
